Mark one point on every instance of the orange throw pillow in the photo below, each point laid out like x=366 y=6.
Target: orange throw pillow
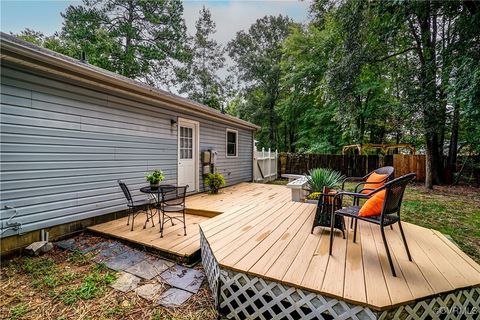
x=373 y=206
x=374 y=177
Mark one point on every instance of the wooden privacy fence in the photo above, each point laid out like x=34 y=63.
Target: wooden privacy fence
x=265 y=165
x=406 y=163
x=351 y=165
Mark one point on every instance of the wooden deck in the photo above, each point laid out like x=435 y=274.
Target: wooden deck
x=255 y=229
x=173 y=244
x=200 y=207
x=271 y=239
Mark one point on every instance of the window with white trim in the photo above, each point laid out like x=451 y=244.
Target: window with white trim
x=232 y=143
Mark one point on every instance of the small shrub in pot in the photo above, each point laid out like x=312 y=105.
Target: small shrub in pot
x=154 y=177
x=214 y=181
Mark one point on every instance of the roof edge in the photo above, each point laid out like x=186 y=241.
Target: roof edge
x=12 y=45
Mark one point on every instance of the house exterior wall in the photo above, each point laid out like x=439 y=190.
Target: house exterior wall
x=63 y=147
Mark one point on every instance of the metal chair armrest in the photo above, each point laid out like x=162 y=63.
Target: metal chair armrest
x=351 y=179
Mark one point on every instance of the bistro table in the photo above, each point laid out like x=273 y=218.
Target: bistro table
x=156 y=192
x=323 y=215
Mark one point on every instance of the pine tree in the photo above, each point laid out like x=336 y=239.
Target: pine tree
x=201 y=80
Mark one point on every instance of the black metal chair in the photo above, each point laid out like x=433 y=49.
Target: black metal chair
x=388 y=171
x=389 y=215
x=134 y=205
x=173 y=201
x=363 y=183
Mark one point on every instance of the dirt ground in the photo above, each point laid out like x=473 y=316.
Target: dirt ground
x=69 y=285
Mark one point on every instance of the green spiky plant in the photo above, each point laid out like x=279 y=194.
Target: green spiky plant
x=320 y=177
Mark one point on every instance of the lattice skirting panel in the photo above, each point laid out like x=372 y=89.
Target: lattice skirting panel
x=242 y=296
x=462 y=304
x=248 y=297
x=210 y=265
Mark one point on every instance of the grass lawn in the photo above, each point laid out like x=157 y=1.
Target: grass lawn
x=452 y=210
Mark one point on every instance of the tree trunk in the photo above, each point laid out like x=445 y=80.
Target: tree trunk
x=452 y=149
x=271 y=120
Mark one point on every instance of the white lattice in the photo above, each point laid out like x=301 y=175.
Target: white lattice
x=462 y=304
x=247 y=297
x=210 y=265
x=242 y=296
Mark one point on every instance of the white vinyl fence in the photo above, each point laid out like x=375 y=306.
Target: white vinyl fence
x=264 y=165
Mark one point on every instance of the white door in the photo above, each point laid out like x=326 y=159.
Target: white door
x=187 y=154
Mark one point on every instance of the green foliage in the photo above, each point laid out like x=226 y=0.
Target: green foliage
x=321 y=177
x=357 y=72
x=155 y=176
x=200 y=79
x=139 y=39
x=93 y=285
x=257 y=55
x=18 y=311
x=214 y=181
x=78 y=258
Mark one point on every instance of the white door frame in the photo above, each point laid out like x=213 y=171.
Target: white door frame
x=195 y=149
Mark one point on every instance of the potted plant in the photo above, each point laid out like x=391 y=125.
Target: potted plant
x=214 y=181
x=154 y=177
x=322 y=180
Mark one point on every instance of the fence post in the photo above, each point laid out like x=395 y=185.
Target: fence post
x=276 y=163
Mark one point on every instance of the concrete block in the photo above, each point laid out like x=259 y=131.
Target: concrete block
x=35 y=248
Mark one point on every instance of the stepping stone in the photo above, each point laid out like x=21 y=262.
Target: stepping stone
x=111 y=250
x=149 y=291
x=96 y=246
x=149 y=268
x=125 y=260
x=125 y=282
x=69 y=244
x=174 y=297
x=183 y=278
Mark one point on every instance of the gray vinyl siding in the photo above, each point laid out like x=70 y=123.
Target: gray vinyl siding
x=63 y=147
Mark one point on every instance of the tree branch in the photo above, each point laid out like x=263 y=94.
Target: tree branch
x=393 y=55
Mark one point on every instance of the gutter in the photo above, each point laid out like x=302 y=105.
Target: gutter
x=26 y=54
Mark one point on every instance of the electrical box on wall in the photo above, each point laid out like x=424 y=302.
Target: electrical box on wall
x=213 y=157
x=206 y=169
x=206 y=157
x=209 y=158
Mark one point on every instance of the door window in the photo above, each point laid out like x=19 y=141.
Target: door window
x=186 y=143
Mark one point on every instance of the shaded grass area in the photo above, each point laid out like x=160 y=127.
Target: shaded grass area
x=452 y=210
x=69 y=285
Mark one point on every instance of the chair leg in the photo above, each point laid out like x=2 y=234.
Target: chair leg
x=184 y=224
x=148 y=218
x=161 y=224
x=355 y=231
x=331 y=234
x=388 y=251
x=151 y=215
x=404 y=240
x=128 y=216
x=133 y=219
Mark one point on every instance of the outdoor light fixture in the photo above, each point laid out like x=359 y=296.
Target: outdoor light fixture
x=173 y=122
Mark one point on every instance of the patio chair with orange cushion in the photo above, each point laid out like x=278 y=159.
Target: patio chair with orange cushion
x=366 y=184
x=371 y=181
x=382 y=208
